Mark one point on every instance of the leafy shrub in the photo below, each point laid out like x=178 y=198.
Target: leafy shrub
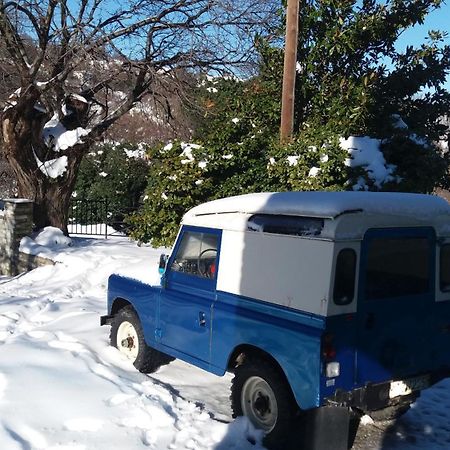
x=343 y=90
x=114 y=172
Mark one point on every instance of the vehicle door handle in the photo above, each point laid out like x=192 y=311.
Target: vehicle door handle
x=202 y=319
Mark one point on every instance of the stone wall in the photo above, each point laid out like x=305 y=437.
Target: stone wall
x=16 y=221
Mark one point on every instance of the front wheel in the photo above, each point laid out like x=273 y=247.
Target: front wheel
x=127 y=336
x=262 y=394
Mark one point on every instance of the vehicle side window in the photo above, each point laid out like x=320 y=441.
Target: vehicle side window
x=397 y=267
x=197 y=255
x=344 y=278
x=287 y=225
x=445 y=268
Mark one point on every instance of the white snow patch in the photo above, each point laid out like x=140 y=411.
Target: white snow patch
x=45 y=243
x=103 y=174
x=168 y=147
x=187 y=152
x=135 y=154
x=55 y=134
x=365 y=152
x=419 y=140
x=228 y=156
x=293 y=160
x=3 y=384
x=314 y=171
x=202 y=164
x=398 y=122
x=53 y=168
x=52 y=130
x=83 y=424
x=80 y=98
x=53 y=238
x=236 y=120
x=366 y=420
x=326 y=204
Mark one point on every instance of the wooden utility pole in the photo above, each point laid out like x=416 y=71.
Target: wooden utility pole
x=290 y=62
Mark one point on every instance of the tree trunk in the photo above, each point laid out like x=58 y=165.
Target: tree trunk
x=51 y=196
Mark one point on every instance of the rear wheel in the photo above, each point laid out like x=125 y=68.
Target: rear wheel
x=260 y=392
x=127 y=336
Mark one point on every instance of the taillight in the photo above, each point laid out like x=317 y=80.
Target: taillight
x=328 y=349
x=332 y=368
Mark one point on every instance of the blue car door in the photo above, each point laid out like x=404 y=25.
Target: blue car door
x=396 y=301
x=188 y=295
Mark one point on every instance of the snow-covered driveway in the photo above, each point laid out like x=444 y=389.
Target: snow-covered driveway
x=62 y=387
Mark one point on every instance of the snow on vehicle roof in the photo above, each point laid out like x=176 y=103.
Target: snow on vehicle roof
x=326 y=204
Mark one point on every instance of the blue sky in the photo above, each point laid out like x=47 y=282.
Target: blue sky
x=437 y=20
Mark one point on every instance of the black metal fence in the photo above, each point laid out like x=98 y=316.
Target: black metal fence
x=88 y=217
x=97 y=218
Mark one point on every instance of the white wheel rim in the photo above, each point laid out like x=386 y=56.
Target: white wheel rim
x=259 y=403
x=127 y=340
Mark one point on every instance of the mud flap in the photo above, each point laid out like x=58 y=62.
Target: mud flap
x=327 y=428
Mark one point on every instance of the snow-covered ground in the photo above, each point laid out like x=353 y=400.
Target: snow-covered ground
x=62 y=387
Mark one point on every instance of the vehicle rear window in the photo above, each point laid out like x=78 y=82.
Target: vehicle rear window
x=290 y=225
x=397 y=267
x=445 y=268
x=344 y=279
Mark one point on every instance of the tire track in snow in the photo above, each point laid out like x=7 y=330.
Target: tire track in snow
x=23 y=319
x=27 y=437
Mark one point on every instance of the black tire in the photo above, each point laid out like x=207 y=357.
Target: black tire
x=144 y=358
x=273 y=409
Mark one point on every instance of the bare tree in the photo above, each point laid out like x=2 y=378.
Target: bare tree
x=80 y=66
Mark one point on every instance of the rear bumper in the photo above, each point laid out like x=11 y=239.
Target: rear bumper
x=375 y=396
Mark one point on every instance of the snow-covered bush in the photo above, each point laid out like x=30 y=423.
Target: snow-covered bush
x=357 y=125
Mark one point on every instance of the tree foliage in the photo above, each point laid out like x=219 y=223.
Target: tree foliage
x=117 y=173
x=351 y=81
x=80 y=66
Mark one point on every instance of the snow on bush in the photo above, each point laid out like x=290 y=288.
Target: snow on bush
x=365 y=152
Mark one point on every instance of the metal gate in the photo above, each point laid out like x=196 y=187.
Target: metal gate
x=88 y=217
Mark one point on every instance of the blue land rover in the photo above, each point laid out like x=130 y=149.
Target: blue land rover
x=312 y=299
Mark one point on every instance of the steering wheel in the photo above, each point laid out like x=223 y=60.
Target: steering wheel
x=204 y=269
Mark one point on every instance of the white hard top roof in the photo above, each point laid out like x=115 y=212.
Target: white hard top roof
x=326 y=204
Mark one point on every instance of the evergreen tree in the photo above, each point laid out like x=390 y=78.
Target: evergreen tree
x=351 y=81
